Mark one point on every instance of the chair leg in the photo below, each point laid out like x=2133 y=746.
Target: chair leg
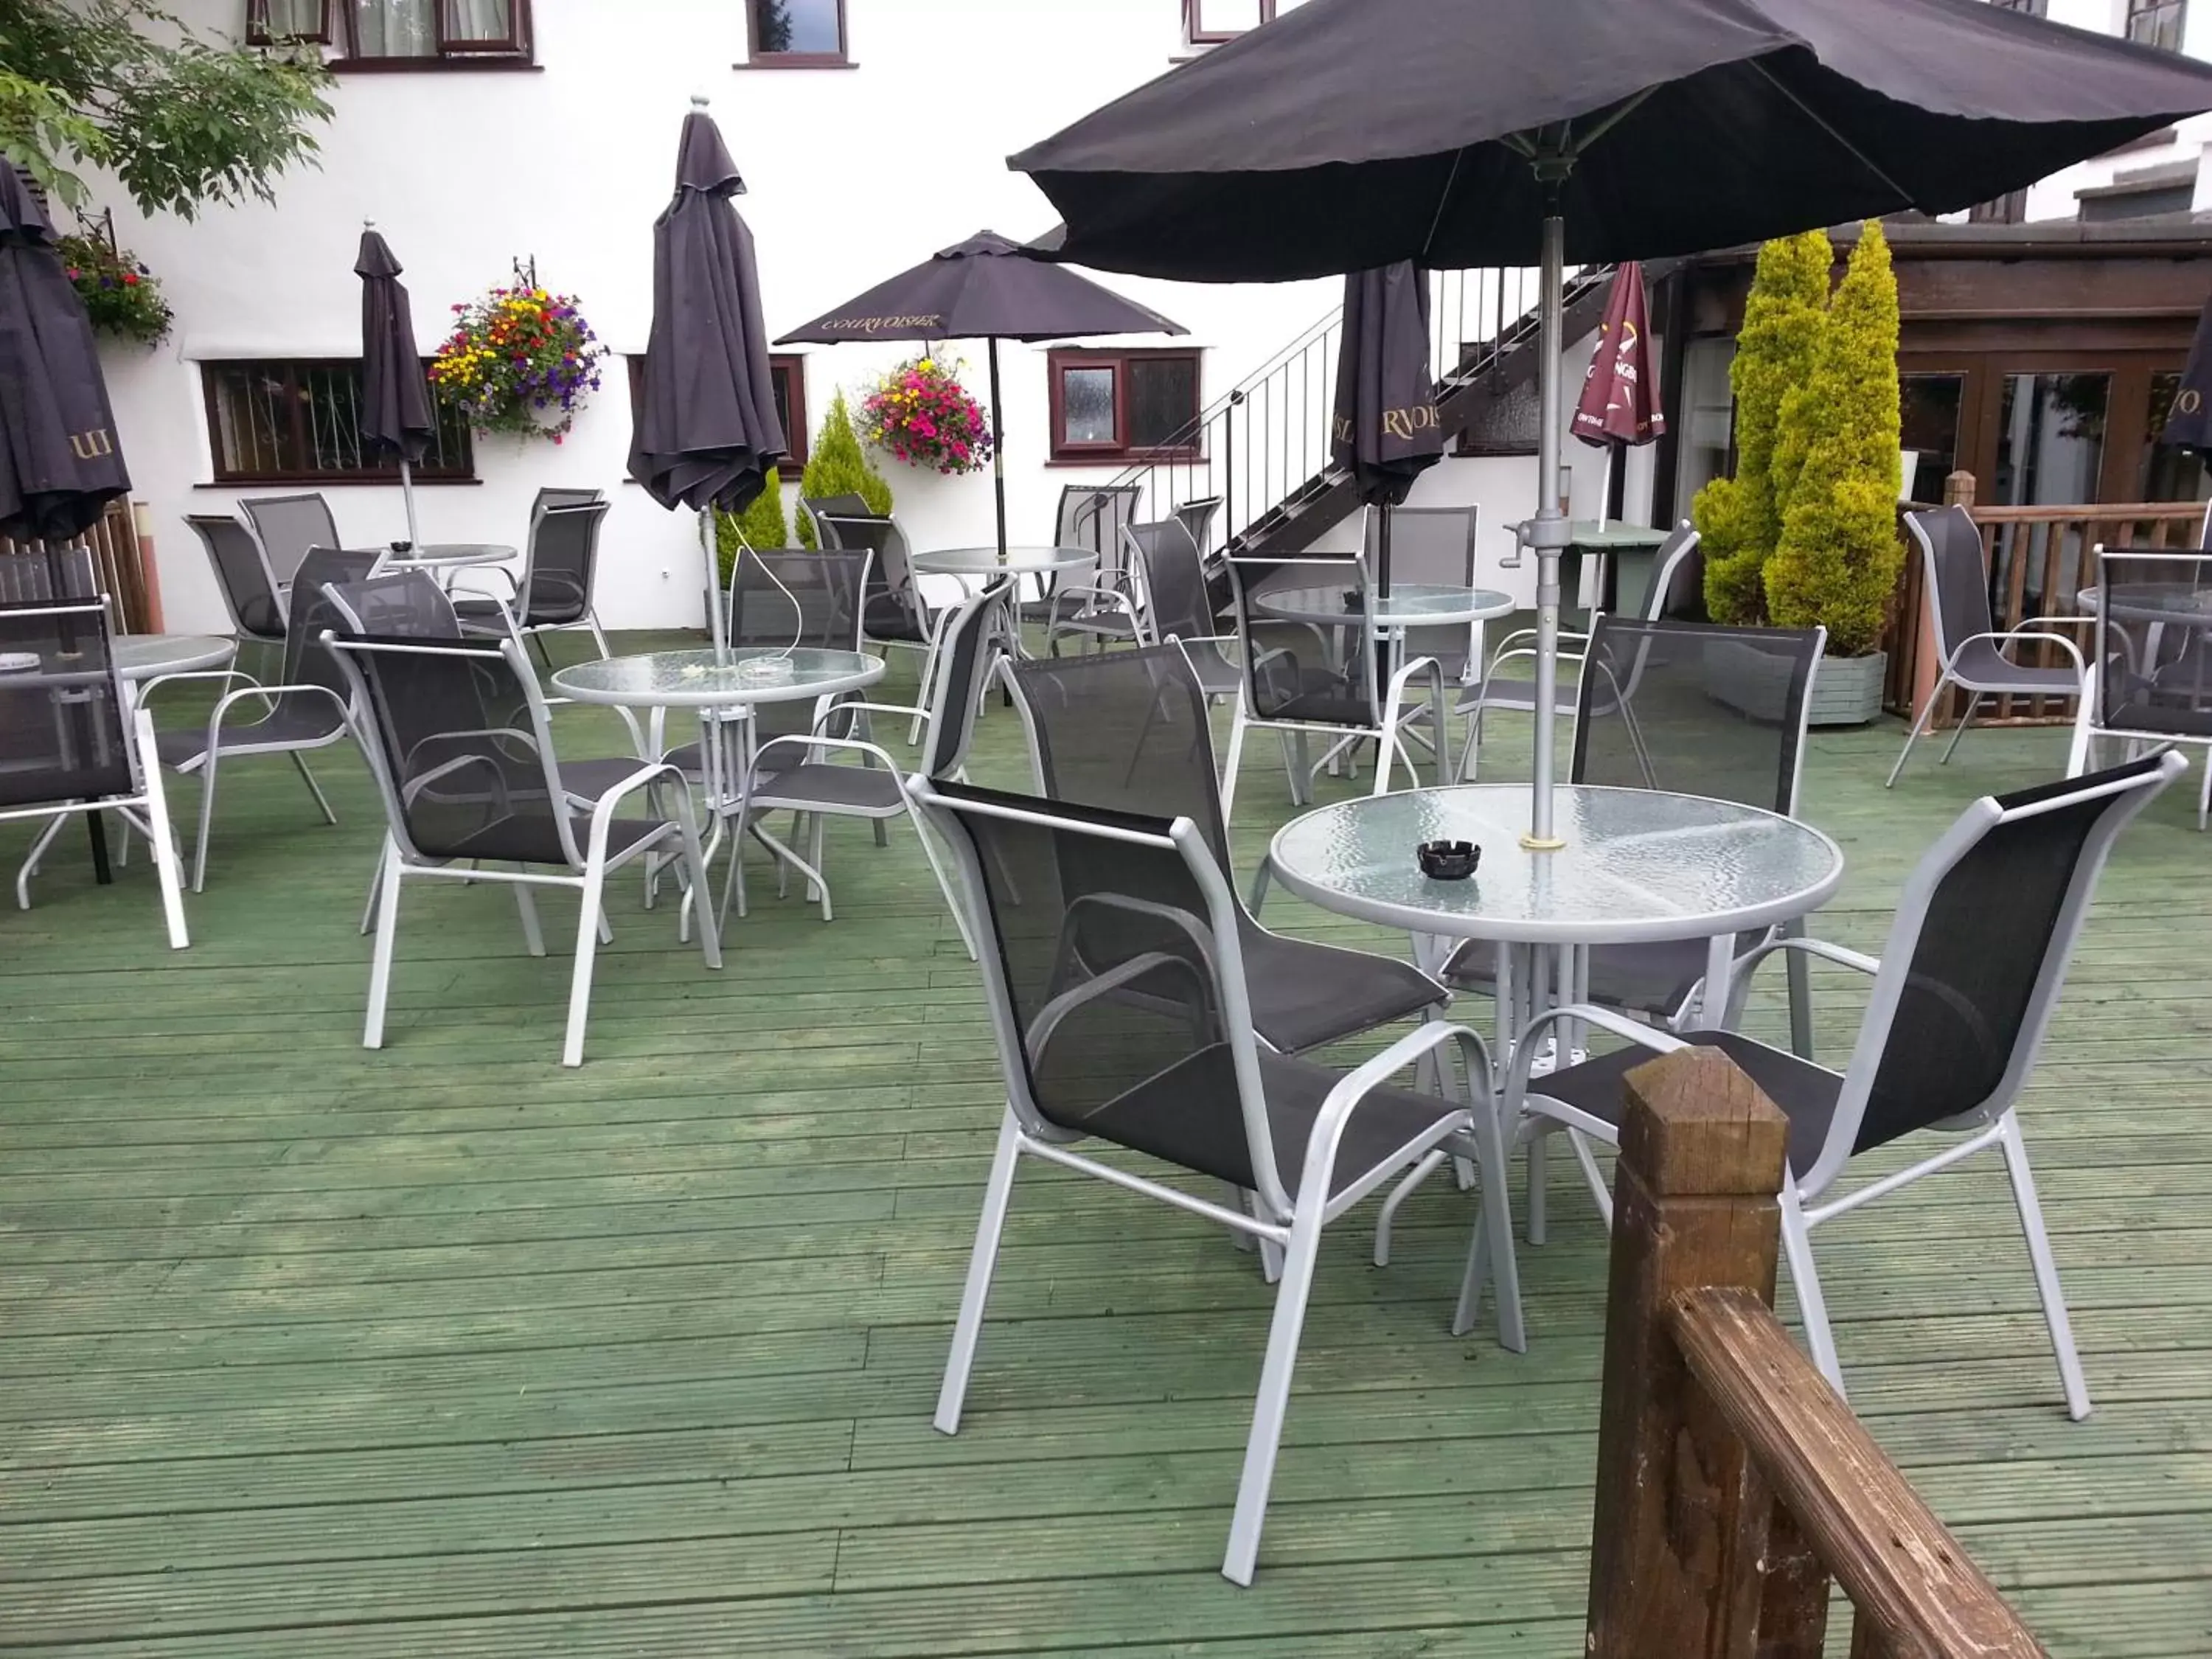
x=2047 y=1267
x=943 y=885
x=1540 y=1175
x=1489 y=1253
x=1260 y=880
x=599 y=636
x=375 y=888
x=207 y=822
x=532 y=935
x=1800 y=994
x=702 y=891
x=315 y=789
x=387 y=928
x=1407 y=1185
x=2203 y=795
x=587 y=946
x=1274 y=1398
x=969 y=1327
x=1236 y=760
x=1966 y=719
x=814 y=857
x=1919 y=725
x=165 y=858
x=1811 y=1306
x=536 y=639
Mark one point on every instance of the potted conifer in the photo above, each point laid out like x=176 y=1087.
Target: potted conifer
x=837 y=465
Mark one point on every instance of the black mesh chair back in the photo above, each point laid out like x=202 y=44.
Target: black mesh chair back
x=849 y=505
x=1125 y=731
x=1093 y=516
x=61 y=707
x=546 y=500
x=893 y=609
x=307 y=661
x=288 y=527
x=788 y=598
x=1113 y=1019
x=1696 y=710
x=963 y=657
x=45 y=575
x=462 y=750
x=1958 y=584
x=248 y=590
x=563 y=561
x=1433 y=546
x=1678 y=580
x=406 y=605
x=1173 y=572
x=2154 y=644
x=1987 y=952
x=1198 y=515
x=1289 y=676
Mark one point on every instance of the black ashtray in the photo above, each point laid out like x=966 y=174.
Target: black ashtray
x=1448 y=860
x=1354 y=599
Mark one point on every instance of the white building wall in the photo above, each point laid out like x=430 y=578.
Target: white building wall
x=852 y=175
x=2055 y=198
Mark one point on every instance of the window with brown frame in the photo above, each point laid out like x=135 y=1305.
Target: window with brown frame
x=2158 y=22
x=399 y=35
x=796 y=34
x=788 y=371
x=1209 y=22
x=1123 y=405
x=299 y=422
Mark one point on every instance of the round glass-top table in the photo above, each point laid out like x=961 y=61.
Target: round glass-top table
x=983 y=563
x=693 y=679
x=148 y=656
x=1639 y=866
x=448 y=556
x=1408 y=605
x=2182 y=603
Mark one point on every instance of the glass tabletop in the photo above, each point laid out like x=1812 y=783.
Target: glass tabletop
x=1639 y=865
x=2183 y=602
x=1016 y=562
x=1613 y=535
x=1409 y=605
x=142 y=656
x=450 y=553
x=693 y=679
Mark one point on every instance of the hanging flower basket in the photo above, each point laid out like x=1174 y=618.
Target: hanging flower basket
x=120 y=295
x=520 y=361
x=922 y=415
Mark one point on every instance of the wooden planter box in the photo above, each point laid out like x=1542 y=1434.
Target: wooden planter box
x=1846 y=690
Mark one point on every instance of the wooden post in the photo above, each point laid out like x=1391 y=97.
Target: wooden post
x=1959 y=490
x=1678 y=1562
x=149 y=573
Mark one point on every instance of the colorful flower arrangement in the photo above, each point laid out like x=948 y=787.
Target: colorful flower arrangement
x=120 y=295
x=922 y=415
x=520 y=360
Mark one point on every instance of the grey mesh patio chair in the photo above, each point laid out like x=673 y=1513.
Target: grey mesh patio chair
x=1968 y=642
x=1304 y=689
x=798 y=775
x=895 y=616
x=560 y=569
x=1115 y=985
x=249 y=591
x=2153 y=652
x=549 y=497
x=847 y=506
x=1674 y=569
x=288 y=527
x=1091 y=516
x=1178 y=608
x=45 y=575
x=470 y=780
x=306 y=711
x=1126 y=732
x=1198 y=515
x=1433 y=546
x=72 y=744
x=1961 y=999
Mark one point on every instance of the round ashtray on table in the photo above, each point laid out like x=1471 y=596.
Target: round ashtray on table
x=16 y=662
x=1448 y=860
x=766 y=670
x=1354 y=599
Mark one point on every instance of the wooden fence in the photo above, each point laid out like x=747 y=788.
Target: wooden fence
x=1732 y=1483
x=2039 y=559
x=122 y=569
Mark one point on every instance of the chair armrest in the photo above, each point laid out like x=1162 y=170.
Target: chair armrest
x=1105 y=599
x=1748 y=963
x=2010 y=634
x=147 y=687
x=905 y=710
x=1358 y=1086
x=852 y=744
x=1582 y=1013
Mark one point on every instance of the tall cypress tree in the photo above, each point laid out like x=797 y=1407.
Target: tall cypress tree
x=1740 y=519
x=1839 y=558
x=837 y=465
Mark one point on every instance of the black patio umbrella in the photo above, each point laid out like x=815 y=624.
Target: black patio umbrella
x=60 y=465
x=2189 y=425
x=395 y=400
x=705 y=430
x=987 y=287
x=1349 y=134
x=1384 y=426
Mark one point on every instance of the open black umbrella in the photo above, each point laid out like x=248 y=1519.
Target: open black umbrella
x=987 y=287
x=1384 y=426
x=1349 y=134
x=705 y=430
x=60 y=465
x=2189 y=426
x=395 y=400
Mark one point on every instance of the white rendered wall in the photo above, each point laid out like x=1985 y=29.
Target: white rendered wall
x=852 y=175
x=2054 y=198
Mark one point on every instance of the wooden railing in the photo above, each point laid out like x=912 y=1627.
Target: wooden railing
x=2040 y=559
x=121 y=565
x=1733 y=1484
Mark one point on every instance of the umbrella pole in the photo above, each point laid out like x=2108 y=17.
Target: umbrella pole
x=407 y=496
x=1383 y=553
x=998 y=449
x=716 y=630
x=1547 y=532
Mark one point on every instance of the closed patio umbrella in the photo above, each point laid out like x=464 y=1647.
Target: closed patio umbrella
x=1349 y=134
x=705 y=430
x=395 y=400
x=2189 y=425
x=987 y=287
x=1620 y=408
x=1384 y=426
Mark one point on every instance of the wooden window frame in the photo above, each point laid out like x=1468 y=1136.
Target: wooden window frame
x=1058 y=363
x=1198 y=37
x=756 y=58
x=516 y=51
x=792 y=364
x=2138 y=9
x=257 y=27
x=224 y=474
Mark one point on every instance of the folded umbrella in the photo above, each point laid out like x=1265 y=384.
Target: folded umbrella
x=395 y=400
x=1384 y=428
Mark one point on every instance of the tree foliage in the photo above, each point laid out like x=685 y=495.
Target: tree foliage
x=185 y=120
x=1839 y=557
x=762 y=526
x=837 y=465
x=1740 y=519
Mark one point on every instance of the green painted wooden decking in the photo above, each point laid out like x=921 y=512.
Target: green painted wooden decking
x=307 y=1351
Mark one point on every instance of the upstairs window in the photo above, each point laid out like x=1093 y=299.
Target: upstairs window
x=787 y=372
x=1123 y=405
x=299 y=422
x=2032 y=8
x=399 y=35
x=796 y=34
x=1209 y=22
x=2157 y=22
